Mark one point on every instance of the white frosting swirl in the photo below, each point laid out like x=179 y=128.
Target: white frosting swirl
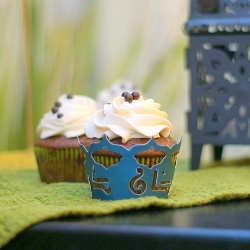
x=138 y=119
x=75 y=113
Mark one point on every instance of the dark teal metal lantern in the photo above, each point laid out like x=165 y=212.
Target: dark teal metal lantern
x=218 y=58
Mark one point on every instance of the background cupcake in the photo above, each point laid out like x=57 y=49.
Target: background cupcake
x=57 y=150
x=107 y=95
x=137 y=155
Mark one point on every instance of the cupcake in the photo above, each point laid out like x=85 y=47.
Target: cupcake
x=57 y=152
x=129 y=150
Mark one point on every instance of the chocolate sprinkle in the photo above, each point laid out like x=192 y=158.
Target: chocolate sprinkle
x=59 y=115
x=124 y=93
x=58 y=104
x=136 y=95
x=130 y=97
x=69 y=96
x=54 y=110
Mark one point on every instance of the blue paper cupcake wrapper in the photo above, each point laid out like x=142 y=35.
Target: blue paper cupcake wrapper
x=129 y=178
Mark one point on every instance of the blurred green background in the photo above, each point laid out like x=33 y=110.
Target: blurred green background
x=81 y=47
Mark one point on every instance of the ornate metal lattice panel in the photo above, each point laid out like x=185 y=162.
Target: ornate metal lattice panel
x=220 y=91
x=219 y=61
x=236 y=7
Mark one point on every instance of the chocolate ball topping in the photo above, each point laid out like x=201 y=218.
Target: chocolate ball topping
x=69 y=96
x=59 y=115
x=124 y=93
x=54 y=110
x=136 y=95
x=58 y=104
x=130 y=97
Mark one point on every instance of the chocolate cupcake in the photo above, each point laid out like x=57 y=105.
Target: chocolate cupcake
x=129 y=148
x=57 y=152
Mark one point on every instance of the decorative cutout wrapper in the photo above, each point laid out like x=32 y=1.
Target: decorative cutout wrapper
x=60 y=165
x=127 y=177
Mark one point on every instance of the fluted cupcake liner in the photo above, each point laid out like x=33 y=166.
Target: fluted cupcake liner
x=60 y=165
x=106 y=161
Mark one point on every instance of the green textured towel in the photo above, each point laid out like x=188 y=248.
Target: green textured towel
x=25 y=200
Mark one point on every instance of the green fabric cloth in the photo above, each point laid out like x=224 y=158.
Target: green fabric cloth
x=25 y=200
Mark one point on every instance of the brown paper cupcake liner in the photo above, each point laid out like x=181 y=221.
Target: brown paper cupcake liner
x=106 y=161
x=60 y=165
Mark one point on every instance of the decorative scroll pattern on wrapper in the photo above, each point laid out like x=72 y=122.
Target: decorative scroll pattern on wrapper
x=127 y=178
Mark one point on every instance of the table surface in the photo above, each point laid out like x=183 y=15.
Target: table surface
x=224 y=225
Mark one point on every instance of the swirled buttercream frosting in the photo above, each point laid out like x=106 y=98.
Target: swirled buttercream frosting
x=67 y=117
x=136 y=119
